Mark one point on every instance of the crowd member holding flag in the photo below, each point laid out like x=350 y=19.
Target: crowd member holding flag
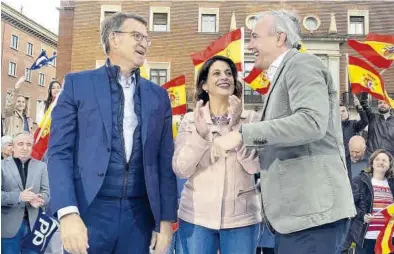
x=305 y=188
x=380 y=128
x=219 y=207
x=373 y=190
x=24 y=189
x=110 y=151
x=41 y=135
x=16 y=118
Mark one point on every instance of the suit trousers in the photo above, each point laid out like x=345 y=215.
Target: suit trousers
x=119 y=226
x=324 y=239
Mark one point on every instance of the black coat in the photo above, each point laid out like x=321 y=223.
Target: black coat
x=380 y=131
x=363 y=198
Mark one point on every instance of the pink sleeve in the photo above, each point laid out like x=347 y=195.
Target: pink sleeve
x=191 y=150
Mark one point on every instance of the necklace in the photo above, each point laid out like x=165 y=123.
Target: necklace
x=220 y=120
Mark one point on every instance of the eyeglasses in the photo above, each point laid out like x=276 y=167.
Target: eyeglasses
x=137 y=36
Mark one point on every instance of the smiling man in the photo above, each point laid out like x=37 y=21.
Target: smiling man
x=307 y=196
x=110 y=151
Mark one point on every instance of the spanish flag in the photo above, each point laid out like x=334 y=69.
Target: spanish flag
x=364 y=78
x=384 y=243
x=377 y=49
x=176 y=89
x=41 y=136
x=230 y=45
x=258 y=81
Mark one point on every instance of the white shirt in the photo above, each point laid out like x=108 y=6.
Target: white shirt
x=275 y=65
x=130 y=122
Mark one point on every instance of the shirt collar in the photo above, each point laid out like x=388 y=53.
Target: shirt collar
x=279 y=59
x=114 y=71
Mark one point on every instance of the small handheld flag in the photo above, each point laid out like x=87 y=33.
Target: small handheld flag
x=42 y=60
x=41 y=234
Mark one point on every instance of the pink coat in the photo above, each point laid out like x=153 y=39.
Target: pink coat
x=216 y=195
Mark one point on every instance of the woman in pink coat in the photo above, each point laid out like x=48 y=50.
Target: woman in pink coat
x=220 y=207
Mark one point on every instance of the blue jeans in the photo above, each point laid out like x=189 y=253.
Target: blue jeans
x=175 y=245
x=324 y=239
x=13 y=245
x=197 y=239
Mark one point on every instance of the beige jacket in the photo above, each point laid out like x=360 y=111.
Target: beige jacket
x=216 y=195
x=14 y=121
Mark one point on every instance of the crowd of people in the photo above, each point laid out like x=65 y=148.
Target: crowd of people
x=298 y=177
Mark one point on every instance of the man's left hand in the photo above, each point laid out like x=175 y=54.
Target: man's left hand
x=161 y=241
x=37 y=202
x=225 y=143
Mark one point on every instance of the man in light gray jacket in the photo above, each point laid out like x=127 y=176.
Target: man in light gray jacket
x=24 y=189
x=307 y=196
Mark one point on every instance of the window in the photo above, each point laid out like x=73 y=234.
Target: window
x=160 y=22
x=108 y=10
x=28 y=74
x=29 y=49
x=208 y=20
x=40 y=108
x=357 y=25
x=159 y=18
x=311 y=23
x=158 y=76
x=53 y=63
x=208 y=23
x=250 y=21
x=14 y=42
x=358 y=22
x=12 y=69
x=108 y=14
x=41 y=79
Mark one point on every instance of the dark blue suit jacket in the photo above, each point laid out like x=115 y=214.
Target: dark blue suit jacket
x=80 y=143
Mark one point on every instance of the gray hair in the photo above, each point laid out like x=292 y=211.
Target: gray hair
x=5 y=140
x=22 y=133
x=114 y=23
x=285 y=22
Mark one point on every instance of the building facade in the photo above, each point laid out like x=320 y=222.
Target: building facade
x=180 y=28
x=22 y=40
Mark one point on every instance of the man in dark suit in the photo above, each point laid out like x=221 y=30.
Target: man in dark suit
x=110 y=151
x=24 y=188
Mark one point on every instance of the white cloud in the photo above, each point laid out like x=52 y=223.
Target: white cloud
x=43 y=12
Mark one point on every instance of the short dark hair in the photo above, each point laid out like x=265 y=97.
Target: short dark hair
x=113 y=23
x=201 y=94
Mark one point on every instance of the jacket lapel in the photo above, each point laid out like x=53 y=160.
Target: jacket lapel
x=30 y=172
x=103 y=94
x=148 y=105
x=15 y=172
x=289 y=55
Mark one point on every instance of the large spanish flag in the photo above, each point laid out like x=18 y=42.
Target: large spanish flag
x=258 y=81
x=230 y=45
x=384 y=243
x=41 y=136
x=364 y=78
x=176 y=89
x=377 y=49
